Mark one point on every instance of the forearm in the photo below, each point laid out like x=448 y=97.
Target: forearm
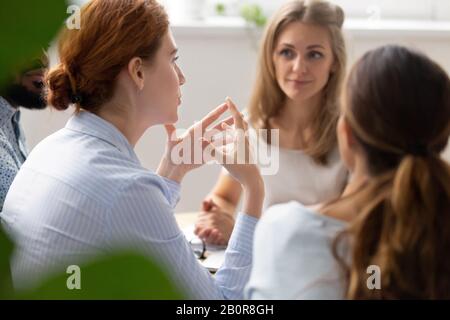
x=223 y=203
x=253 y=199
x=226 y=194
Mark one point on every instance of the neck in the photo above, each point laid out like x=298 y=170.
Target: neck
x=297 y=116
x=347 y=209
x=357 y=180
x=123 y=119
x=294 y=122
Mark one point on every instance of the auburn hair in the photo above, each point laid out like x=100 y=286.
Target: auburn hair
x=268 y=99
x=397 y=104
x=112 y=32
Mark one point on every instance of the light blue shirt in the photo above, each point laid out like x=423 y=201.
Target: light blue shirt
x=83 y=192
x=293 y=255
x=13 y=151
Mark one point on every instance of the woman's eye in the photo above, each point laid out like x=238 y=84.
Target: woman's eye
x=315 y=55
x=175 y=59
x=287 y=53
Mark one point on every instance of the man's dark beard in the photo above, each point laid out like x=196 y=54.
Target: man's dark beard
x=21 y=96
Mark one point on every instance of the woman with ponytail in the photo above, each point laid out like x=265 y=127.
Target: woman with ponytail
x=393 y=217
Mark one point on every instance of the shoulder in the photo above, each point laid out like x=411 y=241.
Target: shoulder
x=293 y=254
x=295 y=224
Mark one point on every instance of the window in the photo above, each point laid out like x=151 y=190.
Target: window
x=384 y=9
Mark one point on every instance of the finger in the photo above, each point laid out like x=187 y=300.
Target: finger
x=214 y=153
x=197 y=229
x=213 y=134
x=206 y=205
x=213 y=116
x=222 y=140
x=237 y=116
x=226 y=126
x=222 y=242
x=229 y=121
x=213 y=204
x=204 y=234
x=213 y=237
x=245 y=123
x=217 y=237
x=229 y=132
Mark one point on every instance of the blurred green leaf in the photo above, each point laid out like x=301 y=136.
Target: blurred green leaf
x=121 y=276
x=27 y=27
x=253 y=13
x=6 y=249
x=220 y=9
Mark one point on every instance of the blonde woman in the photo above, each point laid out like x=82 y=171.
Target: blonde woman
x=301 y=68
x=391 y=226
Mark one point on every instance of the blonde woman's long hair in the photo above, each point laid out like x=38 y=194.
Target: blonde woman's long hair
x=397 y=104
x=268 y=99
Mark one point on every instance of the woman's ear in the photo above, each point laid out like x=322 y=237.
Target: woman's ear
x=136 y=72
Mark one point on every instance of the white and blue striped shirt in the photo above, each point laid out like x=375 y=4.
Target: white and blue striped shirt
x=82 y=192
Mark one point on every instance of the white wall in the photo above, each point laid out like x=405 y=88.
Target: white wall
x=220 y=62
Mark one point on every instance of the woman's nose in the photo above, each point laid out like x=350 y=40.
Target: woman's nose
x=300 y=65
x=181 y=77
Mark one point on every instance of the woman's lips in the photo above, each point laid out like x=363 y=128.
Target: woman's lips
x=300 y=82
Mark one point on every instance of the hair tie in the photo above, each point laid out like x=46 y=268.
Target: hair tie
x=419 y=150
x=76 y=98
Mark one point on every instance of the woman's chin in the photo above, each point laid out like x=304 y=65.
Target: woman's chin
x=173 y=119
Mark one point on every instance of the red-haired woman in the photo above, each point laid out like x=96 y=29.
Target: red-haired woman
x=90 y=194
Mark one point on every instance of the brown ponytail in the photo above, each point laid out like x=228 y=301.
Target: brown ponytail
x=398 y=106
x=59 y=87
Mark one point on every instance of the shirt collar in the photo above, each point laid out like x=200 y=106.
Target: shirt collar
x=88 y=123
x=7 y=111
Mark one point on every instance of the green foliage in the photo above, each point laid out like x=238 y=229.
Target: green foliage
x=253 y=13
x=6 y=249
x=120 y=276
x=26 y=28
x=117 y=276
x=220 y=9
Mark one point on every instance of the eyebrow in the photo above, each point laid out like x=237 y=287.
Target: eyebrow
x=313 y=46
